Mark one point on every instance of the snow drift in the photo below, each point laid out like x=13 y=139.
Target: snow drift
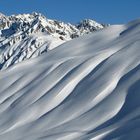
x=85 y=89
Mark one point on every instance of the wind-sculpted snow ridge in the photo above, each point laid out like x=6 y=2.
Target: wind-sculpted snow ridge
x=85 y=89
x=26 y=36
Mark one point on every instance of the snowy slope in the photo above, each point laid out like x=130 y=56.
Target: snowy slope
x=85 y=89
x=26 y=36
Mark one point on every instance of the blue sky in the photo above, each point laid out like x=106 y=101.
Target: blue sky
x=105 y=11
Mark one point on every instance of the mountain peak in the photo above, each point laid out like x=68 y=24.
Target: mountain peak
x=89 y=25
x=90 y=22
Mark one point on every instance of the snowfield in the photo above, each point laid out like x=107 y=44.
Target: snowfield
x=85 y=89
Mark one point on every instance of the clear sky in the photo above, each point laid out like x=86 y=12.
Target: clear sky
x=105 y=11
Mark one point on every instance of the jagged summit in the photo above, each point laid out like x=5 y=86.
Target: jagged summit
x=25 y=36
x=89 y=24
x=1 y=15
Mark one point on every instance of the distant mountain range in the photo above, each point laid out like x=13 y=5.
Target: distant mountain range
x=26 y=36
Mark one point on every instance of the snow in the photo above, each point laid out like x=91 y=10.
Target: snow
x=84 y=89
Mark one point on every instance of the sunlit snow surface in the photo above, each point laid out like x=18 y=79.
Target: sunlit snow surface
x=85 y=89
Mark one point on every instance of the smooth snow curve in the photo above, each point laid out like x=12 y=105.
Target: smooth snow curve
x=85 y=89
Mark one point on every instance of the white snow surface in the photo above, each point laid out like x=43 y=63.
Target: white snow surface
x=85 y=89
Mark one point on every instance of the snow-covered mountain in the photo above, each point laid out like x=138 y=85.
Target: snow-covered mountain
x=26 y=36
x=85 y=89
